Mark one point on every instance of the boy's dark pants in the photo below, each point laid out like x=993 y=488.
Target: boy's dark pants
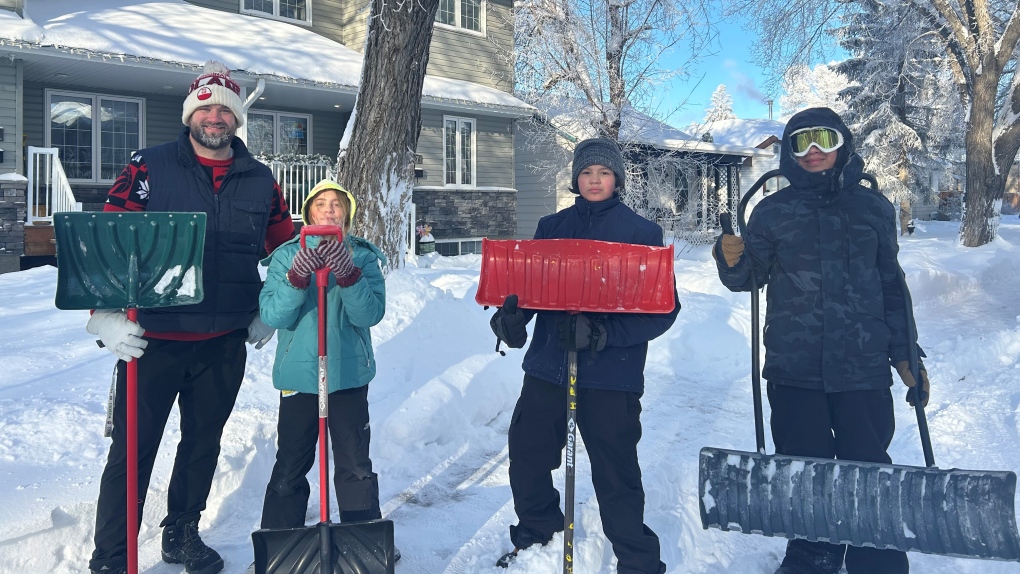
x=854 y=425
x=357 y=487
x=610 y=423
x=203 y=378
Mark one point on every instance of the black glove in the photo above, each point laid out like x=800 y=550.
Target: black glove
x=578 y=331
x=509 y=324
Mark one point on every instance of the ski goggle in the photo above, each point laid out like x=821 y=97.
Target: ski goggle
x=825 y=139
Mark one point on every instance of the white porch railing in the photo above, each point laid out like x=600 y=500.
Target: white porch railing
x=297 y=178
x=48 y=189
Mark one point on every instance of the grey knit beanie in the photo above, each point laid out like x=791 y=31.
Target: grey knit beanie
x=597 y=151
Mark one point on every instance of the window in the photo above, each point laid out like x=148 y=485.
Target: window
x=283 y=9
x=95 y=134
x=451 y=248
x=459 y=151
x=275 y=133
x=466 y=14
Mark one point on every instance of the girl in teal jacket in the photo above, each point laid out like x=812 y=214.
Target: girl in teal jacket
x=355 y=301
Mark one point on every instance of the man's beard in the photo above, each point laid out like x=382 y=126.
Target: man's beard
x=210 y=141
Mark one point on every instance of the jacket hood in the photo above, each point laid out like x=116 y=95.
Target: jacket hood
x=321 y=187
x=849 y=166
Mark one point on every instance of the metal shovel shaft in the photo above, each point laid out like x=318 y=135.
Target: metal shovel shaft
x=570 y=467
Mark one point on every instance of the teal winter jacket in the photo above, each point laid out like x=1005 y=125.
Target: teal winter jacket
x=352 y=311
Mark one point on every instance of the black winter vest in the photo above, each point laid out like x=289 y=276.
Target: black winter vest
x=237 y=219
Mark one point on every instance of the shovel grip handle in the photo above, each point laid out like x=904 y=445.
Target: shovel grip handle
x=321 y=230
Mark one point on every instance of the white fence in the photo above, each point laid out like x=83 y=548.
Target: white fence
x=297 y=178
x=48 y=189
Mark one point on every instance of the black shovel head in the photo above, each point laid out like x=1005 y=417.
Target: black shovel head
x=964 y=513
x=355 y=548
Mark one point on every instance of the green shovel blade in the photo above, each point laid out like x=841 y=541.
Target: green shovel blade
x=115 y=260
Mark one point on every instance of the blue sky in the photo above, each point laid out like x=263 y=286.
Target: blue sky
x=730 y=65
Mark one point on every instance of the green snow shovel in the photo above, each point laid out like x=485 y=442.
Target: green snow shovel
x=131 y=261
x=326 y=548
x=952 y=512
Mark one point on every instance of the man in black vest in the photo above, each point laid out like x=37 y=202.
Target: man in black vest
x=193 y=355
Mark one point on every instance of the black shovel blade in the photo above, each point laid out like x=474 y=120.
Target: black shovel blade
x=356 y=548
x=964 y=513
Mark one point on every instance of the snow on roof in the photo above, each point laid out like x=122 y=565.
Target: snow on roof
x=177 y=32
x=744 y=132
x=640 y=128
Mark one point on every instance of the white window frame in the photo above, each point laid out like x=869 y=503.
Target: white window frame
x=96 y=129
x=276 y=127
x=459 y=242
x=457 y=18
x=276 y=12
x=474 y=151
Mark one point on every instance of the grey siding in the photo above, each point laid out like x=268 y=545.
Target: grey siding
x=494 y=154
x=473 y=57
x=224 y=5
x=543 y=179
x=328 y=19
x=354 y=20
x=8 y=116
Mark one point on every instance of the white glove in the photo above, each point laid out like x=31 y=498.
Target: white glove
x=259 y=333
x=119 y=335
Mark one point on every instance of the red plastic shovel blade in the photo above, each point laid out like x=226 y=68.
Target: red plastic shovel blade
x=577 y=275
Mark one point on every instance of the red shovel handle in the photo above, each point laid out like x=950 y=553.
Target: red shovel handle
x=321 y=278
x=321 y=230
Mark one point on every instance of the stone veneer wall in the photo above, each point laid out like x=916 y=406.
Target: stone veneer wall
x=460 y=214
x=12 y=223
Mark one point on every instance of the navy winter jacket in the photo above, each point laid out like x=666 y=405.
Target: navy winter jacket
x=620 y=366
x=826 y=247
x=237 y=218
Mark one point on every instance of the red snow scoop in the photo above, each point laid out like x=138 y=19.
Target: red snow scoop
x=129 y=261
x=326 y=548
x=576 y=275
x=953 y=512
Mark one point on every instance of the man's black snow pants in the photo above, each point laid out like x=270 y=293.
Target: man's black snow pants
x=203 y=378
x=610 y=423
x=356 y=486
x=854 y=425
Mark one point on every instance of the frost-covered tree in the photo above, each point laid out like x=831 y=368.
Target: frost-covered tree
x=804 y=87
x=377 y=151
x=606 y=54
x=902 y=104
x=980 y=41
x=722 y=106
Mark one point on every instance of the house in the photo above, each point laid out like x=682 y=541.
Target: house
x=758 y=133
x=677 y=180
x=84 y=84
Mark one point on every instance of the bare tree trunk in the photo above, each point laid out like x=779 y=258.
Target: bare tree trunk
x=377 y=165
x=984 y=188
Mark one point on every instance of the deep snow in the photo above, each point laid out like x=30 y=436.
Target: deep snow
x=441 y=405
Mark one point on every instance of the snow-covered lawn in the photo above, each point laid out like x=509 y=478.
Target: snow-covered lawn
x=441 y=405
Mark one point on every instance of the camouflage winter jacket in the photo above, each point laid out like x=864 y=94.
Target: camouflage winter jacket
x=826 y=247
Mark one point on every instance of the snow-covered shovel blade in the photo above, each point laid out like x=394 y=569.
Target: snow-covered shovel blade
x=118 y=260
x=357 y=548
x=952 y=512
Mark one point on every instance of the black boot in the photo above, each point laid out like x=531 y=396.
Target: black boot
x=803 y=557
x=183 y=545
x=108 y=570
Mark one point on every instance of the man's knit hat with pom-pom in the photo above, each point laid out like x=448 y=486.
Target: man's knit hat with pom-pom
x=214 y=86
